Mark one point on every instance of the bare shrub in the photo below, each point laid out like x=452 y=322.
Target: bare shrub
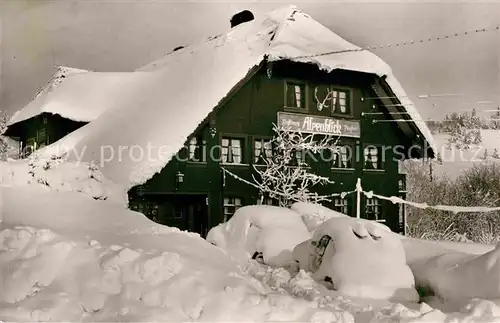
x=477 y=186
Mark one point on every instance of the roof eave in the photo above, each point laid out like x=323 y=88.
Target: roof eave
x=389 y=93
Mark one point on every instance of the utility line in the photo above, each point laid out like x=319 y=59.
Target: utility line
x=403 y=43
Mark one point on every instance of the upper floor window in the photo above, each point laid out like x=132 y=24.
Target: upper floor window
x=263 y=151
x=342 y=157
x=372 y=157
x=197 y=150
x=373 y=210
x=340 y=102
x=232 y=152
x=231 y=204
x=337 y=101
x=295 y=95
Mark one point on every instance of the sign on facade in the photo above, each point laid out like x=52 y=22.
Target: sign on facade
x=318 y=125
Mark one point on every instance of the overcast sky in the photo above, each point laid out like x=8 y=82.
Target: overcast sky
x=122 y=35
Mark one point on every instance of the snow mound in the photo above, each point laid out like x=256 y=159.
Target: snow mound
x=314 y=215
x=459 y=275
x=274 y=231
x=361 y=258
x=55 y=173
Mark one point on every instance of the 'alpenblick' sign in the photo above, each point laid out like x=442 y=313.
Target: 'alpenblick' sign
x=318 y=125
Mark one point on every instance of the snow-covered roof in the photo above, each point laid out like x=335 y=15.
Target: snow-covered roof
x=44 y=101
x=148 y=114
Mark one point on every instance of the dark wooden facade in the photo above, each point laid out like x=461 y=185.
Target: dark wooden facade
x=40 y=131
x=195 y=195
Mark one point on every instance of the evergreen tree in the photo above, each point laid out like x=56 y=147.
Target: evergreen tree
x=495 y=123
x=495 y=154
x=485 y=156
x=439 y=159
x=477 y=137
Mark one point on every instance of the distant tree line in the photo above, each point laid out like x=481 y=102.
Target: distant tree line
x=465 y=128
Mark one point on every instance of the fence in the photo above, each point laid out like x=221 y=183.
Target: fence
x=394 y=199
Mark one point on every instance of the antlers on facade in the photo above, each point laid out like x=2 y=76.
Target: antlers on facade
x=322 y=104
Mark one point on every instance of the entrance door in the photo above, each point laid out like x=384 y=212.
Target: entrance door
x=189 y=212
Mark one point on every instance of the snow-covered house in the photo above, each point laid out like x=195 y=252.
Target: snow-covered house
x=166 y=131
x=44 y=120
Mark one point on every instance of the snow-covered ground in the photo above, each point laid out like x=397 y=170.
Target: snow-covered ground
x=66 y=255
x=455 y=161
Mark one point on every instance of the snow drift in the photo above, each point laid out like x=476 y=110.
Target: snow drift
x=66 y=257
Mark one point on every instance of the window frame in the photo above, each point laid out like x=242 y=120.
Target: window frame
x=378 y=206
x=305 y=109
x=346 y=205
x=243 y=142
x=202 y=146
x=227 y=215
x=351 y=162
x=262 y=139
x=349 y=101
x=380 y=158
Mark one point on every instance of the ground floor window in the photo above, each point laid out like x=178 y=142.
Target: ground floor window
x=402 y=214
x=231 y=204
x=373 y=210
x=341 y=205
x=149 y=209
x=266 y=200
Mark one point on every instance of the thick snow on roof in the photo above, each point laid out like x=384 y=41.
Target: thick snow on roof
x=44 y=100
x=148 y=114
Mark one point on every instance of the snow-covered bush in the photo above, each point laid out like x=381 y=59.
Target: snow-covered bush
x=286 y=174
x=3 y=140
x=56 y=173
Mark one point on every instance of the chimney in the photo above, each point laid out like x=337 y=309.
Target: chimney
x=241 y=17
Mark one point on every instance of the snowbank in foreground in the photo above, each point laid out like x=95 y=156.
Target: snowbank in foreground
x=65 y=257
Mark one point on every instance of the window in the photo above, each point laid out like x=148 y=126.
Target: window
x=402 y=184
x=266 y=200
x=231 y=204
x=197 y=150
x=295 y=95
x=298 y=158
x=373 y=210
x=342 y=157
x=341 y=205
x=340 y=102
x=372 y=158
x=232 y=151
x=263 y=151
x=402 y=212
x=41 y=137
